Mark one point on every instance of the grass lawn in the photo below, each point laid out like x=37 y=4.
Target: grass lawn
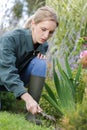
x=9 y=121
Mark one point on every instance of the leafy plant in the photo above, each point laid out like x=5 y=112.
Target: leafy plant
x=65 y=85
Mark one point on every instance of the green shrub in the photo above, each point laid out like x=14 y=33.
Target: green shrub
x=7 y=100
x=77 y=120
x=10 y=121
x=10 y=103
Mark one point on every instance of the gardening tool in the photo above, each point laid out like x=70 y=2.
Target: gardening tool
x=46 y=116
x=49 y=117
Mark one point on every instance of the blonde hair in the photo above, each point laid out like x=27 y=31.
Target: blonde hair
x=42 y=14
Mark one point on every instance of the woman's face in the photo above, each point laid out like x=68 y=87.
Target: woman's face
x=42 y=31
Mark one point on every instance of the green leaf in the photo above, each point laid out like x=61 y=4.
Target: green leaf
x=54 y=104
x=50 y=92
x=56 y=79
x=68 y=68
x=71 y=84
x=78 y=73
x=66 y=95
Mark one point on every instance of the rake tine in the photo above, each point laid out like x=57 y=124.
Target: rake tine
x=51 y=118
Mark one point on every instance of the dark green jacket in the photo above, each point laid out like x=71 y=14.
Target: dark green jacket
x=16 y=50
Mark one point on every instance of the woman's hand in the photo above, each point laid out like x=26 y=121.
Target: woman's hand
x=31 y=105
x=41 y=56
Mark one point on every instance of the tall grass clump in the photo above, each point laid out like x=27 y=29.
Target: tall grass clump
x=66 y=87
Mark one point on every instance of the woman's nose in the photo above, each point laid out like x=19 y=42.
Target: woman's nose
x=46 y=35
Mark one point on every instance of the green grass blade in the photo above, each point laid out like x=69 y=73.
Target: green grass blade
x=76 y=80
x=71 y=84
x=78 y=73
x=68 y=68
x=66 y=77
x=56 y=78
x=55 y=105
x=65 y=95
x=50 y=92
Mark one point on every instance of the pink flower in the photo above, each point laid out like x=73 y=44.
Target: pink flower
x=83 y=54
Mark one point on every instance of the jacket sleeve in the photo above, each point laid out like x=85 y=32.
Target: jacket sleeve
x=9 y=76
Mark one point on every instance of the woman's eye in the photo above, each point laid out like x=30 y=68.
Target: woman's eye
x=51 y=32
x=43 y=29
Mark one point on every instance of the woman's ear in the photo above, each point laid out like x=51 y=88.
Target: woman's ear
x=32 y=24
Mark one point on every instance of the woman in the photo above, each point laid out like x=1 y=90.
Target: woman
x=23 y=60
